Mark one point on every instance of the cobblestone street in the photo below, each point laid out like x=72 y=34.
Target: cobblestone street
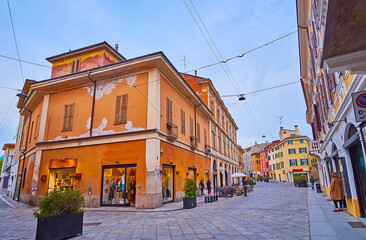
x=271 y=211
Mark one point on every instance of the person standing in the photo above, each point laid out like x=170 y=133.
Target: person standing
x=208 y=184
x=245 y=186
x=312 y=182
x=336 y=192
x=202 y=186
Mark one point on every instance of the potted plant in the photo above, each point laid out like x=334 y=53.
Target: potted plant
x=60 y=214
x=189 y=200
x=251 y=184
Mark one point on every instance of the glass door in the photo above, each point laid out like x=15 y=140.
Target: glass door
x=167 y=184
x=118 y=185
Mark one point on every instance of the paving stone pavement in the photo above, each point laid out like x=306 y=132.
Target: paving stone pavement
x=272 y=211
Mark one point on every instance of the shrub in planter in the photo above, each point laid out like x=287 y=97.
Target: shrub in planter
x=250 y=181
x=190 y=200
x=60 y=214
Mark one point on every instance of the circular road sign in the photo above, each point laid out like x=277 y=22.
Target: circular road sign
x=361 y=100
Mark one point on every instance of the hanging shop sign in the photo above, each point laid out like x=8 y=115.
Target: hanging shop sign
x=359 y=105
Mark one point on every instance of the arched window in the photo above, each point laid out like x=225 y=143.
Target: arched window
x=214 y=167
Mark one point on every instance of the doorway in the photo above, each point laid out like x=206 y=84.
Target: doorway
x=167 y=184
x=118 y=185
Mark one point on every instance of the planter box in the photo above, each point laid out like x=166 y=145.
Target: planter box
x=189 y=202
x=60 y=227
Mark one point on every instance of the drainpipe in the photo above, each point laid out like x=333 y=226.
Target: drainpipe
x=92 y=112
x=25 y=149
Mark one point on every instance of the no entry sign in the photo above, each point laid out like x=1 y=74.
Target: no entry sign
x=359 y=105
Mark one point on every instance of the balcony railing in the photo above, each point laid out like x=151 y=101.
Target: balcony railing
x=194 y=144
x=314 y=147
x=172 y=131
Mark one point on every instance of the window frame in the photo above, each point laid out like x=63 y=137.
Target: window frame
x=68 y=124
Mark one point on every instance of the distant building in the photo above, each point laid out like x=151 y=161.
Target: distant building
x=6 y=177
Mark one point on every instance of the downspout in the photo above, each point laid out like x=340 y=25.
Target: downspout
x=25 y=149
x=92 y=112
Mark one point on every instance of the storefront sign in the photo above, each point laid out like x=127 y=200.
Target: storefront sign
x=63 y=163
x=359 y=105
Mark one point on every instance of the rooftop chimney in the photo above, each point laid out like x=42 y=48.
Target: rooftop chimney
x=195 y=72
x=116 y=47
x=296 y=130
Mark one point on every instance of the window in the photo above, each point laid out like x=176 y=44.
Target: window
x=304 y=162
x=270 y=167
x=291 y=151
x=302 y=150
x=293 y=162
x=191 y=126
x=69 y=111
x=302 y=141
x=169 y=111
x=282 y=165
x=75 y=66
x=281 y=153
x=212 y=106
x=198 y=133
x=223 y=121
x=218 y=115
x=205 y=135
x=257 y=162
x=269 y=157
x=121 y=109
x=274 y=167
x=290 y=142
x=183 y=121
x=31 y=132
x=36 y=128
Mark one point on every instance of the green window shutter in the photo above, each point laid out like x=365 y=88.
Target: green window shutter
x=307 y=162
x=295 y=162
x=305 y=150
x=118 y=109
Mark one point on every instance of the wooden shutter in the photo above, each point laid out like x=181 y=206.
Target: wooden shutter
x=295 y=162
x=124 y=108
x=69 y=122
x=65 y=117
x=73 y=67
x=77 y=65
x=198 y=133
x=191 y=126
x=183 y=121
x=118 y=109
x=169 y=112
x=205 y=135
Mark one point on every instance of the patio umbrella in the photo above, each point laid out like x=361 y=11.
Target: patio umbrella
x=238 y=175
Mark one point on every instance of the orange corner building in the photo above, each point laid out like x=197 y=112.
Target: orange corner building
x=123 y=131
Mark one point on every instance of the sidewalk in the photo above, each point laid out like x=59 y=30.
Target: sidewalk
x=326 y=224
x=174 y=206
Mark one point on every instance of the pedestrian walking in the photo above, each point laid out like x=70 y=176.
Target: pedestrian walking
x=312 y=182
x=245 y=186
x=202 y=186
x=208 y=184
x=336 y=192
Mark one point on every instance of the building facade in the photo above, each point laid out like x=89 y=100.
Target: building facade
x=7 y=176
x=339 y=140
x=226 y=154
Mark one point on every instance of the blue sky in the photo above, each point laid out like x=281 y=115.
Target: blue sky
x=46 y=28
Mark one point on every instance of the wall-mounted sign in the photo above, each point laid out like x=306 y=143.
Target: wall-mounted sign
x=359 y=105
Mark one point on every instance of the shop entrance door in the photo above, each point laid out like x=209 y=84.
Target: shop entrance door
x=167 y=185
x=118 y=185
x=215 y=183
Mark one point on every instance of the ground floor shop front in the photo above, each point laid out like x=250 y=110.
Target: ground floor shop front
x=143 y=173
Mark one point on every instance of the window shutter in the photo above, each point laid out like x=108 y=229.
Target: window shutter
x=124 y=108
x=198 y=133
x=65 y=117
x=289 y=152
x=307 y=162
x=295 y=162
x=169 y=111
x=73 y=67
x=205 y=135
x=118 y=109
x=69 y=124
x=191 y=126
x=289 y=161
x=77 y=65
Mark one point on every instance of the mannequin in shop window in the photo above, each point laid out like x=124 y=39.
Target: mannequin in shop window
x=168 y=195
x=112 y=188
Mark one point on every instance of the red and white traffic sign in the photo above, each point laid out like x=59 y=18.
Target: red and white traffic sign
x=359 y=105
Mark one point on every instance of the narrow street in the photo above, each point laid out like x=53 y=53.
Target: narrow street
x=272 y=211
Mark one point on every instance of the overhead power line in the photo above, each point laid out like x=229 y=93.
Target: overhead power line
x=15 y=40
x=245 y=53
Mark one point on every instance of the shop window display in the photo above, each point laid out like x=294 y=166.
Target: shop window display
x=168 y=183
x=62 y=178
x=119 y=186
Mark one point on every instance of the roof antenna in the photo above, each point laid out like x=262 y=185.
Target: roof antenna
x=280 y=117
x=185 y=65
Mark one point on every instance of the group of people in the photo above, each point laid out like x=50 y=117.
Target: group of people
x=336 y=193
x=202 y=186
